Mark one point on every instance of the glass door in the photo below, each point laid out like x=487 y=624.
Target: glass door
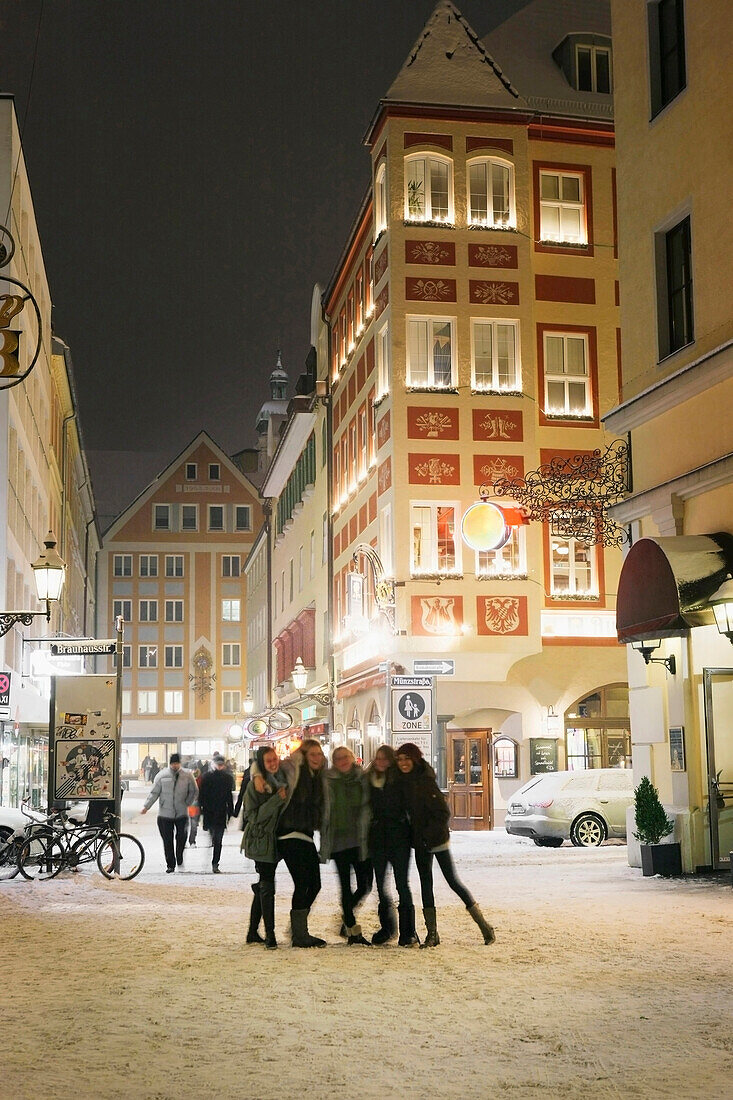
x=718 y=688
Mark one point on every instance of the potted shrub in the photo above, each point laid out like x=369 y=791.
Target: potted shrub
x=652 y=824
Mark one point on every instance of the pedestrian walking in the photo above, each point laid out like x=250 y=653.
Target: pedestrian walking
x=176 y=789
x=217 y=806
x=344 y=836
x=154 y=769
x=389 y=845
x=429 y=816
x=194 y=812
x=246 y=776
x=299 y=821
x=262 y=811
x=145 y=768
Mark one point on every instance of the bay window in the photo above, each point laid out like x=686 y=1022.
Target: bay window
x=490 y=193
x=495 y=358
x=428 y=189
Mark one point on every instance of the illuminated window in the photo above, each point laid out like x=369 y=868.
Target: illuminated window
x=495 y=358
x=173 y=702
x=567 y=383
x=562 y=207
x=428 y=189
x=491 y=192
x=508 y=561
x=380 y=199
x=230 y=611
x=383 y=360
x=430 y=353
x=572 y=568
x=433 y=544
x=147 y=702
x=505 y=758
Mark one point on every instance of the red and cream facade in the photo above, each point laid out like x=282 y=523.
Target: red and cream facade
x=173 y=566
x=474 y=335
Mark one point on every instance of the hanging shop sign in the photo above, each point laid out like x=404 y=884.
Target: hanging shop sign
x=20 y=321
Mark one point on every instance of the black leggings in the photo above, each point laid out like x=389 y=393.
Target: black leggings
x=301 y=860
x=345 y=860
x=399 y=857
x=424 y=861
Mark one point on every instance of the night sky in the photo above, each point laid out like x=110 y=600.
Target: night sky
x=195 y=167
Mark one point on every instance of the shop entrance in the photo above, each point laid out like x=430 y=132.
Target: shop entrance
x=718 y=690
x=469 y=779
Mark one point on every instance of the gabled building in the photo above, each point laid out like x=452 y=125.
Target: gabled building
x=172 y=567
x=474 y=336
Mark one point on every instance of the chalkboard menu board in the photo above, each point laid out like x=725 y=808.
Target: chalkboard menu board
x=542 y=755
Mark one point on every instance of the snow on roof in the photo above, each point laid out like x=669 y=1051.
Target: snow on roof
x=523 y=45
x=449 y=65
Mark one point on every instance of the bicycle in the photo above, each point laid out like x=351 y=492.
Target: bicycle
x=10 y=844
x=56 y=845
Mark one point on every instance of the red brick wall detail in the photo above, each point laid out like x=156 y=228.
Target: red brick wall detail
x=372 y=507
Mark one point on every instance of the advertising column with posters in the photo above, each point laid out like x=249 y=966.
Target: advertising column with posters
x=412 y=712
x=84 y=748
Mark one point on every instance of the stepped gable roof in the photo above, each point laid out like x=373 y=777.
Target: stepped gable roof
x=448 y=65
x=524 y=44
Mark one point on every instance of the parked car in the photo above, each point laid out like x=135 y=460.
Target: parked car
x=13 y=820
x=586 y=807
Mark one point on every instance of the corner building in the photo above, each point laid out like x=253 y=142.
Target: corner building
x=474 y=336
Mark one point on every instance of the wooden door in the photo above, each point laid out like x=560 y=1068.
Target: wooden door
x=469 y=779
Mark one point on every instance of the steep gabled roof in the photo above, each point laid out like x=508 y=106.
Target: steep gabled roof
x=449 y=66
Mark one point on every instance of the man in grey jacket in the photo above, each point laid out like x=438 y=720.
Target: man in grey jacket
x=176 y=788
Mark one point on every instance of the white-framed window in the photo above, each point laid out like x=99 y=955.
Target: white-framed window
x=161 y=517
x=231 y=702
x=428 y=188
x=230 y=654
x=214 y=471
x=567 y=379
x=216 y=517
x=383 y=361
x=593 y=66
x=274 y=594
x=380 y=199
x=508 y=561
x=147 y=702
x=148 y=611
x=562 y=207
x=189 y=517
x=324 y=541
x=174 y=611
x=122 y=565
x=491 y=192
x=572 y=568
x=173 y=655
x=126 y=701
x=230 y=565
x=301 y=568
x=430 y=353
x=147 y=656
x=123 y=608
x=386 y=539
x=495 y=355
x=148 y=565
x=231 y=611
x=174 y=565
x=292 y=580
x=505 y=758
x=434 y=546
x=312 y=556
x=243 y=517
x=282 y=590
x=192 y=471
x=173 y=702
x=126 y=657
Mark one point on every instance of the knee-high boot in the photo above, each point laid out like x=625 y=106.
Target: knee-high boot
x=408 y=935
x=431 y=923
x=486 y=929
x=267 y=900
x=255 y=915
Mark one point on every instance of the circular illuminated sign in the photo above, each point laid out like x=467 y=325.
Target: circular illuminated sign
x=484 y=526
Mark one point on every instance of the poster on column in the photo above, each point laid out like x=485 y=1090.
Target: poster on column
x=84 y=748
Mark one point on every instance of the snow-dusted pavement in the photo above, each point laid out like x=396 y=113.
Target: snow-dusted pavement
x=601 y=984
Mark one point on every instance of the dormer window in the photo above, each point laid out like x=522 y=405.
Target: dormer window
x=428 y=189
x=585 y=59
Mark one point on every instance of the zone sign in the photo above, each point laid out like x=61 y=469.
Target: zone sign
x=412 y=707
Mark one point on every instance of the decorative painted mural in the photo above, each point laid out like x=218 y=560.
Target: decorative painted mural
x=437 y=615
x=384 y=430
x=501 y=615
x=440 y=423
x=489 y=292
x=430 y=290
x=434 y=469
x=503 y=425
x=382 y=301
x=380 y=265
x=489 y=468
x=492 y=255
x=430 y=252
x=384 y=476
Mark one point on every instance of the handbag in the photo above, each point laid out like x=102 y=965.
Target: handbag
x=193 y=811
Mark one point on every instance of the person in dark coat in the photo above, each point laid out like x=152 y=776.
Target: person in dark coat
x=262 y=812
x=217 y=806
x=246 y=776
x=389 y=844
x=429 y=816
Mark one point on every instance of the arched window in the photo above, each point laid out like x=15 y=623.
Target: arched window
x=505 y=758
x=380 y=199
x=491 y=192
x=428 y=188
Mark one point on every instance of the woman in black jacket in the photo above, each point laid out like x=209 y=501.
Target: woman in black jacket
x=429 y=816
x=389 y=843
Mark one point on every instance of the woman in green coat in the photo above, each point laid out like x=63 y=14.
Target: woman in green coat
x=344 y=832
x=262 y=812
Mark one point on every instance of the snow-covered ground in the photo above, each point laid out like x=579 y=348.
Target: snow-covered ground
x=601 y=984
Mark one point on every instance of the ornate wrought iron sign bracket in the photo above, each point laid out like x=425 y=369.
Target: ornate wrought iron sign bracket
x=12 y=305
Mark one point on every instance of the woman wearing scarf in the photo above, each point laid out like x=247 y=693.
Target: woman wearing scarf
x=344 y=836
x=262 y=811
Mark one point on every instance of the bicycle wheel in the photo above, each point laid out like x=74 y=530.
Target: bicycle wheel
x=41 y=857
x=9 y=847
x=131 y=857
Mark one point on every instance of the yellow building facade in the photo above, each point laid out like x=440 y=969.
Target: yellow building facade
x=673 y=94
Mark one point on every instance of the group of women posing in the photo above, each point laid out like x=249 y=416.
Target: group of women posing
x=368 y=821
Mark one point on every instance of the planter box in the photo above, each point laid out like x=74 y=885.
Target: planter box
x=661 y=859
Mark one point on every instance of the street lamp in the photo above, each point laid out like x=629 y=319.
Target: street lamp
x=49 y=571
x=236 y=730
x=647 y=646
x=721 y=602
x=299 y=676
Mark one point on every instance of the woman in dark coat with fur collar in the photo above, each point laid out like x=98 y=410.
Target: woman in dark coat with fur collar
x=429 y=816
